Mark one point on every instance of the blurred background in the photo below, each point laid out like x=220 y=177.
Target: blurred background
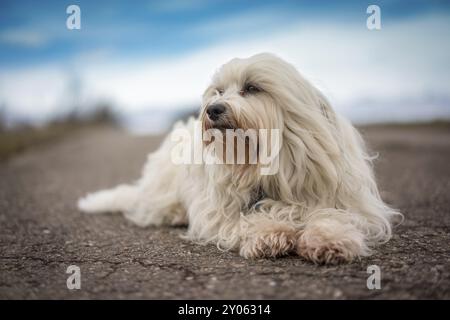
x=145 y=63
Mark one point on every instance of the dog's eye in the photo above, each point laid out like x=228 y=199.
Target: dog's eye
x=219 y=91
x=250 y=89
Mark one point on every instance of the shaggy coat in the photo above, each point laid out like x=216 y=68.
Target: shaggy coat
x=322 y=203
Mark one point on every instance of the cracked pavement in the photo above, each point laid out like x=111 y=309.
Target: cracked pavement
x=42 y=233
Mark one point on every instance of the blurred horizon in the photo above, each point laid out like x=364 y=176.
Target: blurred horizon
x=151 y=60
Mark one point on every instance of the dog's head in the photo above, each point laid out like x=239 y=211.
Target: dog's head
x=259 y=92
x=265 y=92
x=240 y=95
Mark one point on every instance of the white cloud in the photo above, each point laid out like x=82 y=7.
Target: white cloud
x=33 y=93
x=23 y=37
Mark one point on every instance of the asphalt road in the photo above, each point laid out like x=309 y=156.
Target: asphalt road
x=42 y=233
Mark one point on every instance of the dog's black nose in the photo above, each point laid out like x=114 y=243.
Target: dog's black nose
x=214 y=111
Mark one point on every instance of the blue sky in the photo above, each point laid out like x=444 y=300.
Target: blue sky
x=155 y=28
x=133 y=53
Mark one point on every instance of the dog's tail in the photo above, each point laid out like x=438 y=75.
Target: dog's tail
x=119 y=199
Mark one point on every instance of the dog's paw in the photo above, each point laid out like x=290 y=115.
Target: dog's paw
x=268 y=245
x=317 y=249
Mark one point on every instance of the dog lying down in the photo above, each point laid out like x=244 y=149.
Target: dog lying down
x=316 y=196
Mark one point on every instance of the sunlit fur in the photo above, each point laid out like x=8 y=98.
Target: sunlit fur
x=323 y=203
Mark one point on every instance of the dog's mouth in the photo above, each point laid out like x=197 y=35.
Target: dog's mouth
x=219 y=125
x=222 y=127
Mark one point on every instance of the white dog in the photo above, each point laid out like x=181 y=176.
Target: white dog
x=322 y=203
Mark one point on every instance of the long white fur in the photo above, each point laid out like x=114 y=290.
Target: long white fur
x=322 y=204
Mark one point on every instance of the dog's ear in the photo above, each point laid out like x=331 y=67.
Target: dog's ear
x=307 y=169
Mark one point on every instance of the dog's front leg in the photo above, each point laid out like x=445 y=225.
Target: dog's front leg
x=264 y=235
x=332 y=236
x=326 y=236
